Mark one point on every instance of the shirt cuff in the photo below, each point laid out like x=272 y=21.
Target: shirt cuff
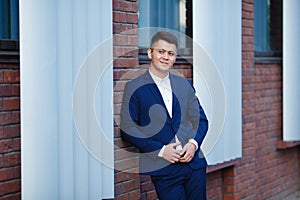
x=194 y=142
x=161 y=152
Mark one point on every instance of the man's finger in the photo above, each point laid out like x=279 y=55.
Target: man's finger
x=175 y=144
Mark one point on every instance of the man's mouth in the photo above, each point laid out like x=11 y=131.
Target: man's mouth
x=164 y=63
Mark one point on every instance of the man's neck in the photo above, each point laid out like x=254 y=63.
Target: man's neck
x=157 y=73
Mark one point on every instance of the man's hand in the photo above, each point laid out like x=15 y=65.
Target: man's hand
x=188 y=152
x=171 y=154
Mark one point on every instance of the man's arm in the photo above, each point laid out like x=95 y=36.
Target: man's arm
x=130 y=130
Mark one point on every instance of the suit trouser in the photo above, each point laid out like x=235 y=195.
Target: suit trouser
x=184 y=183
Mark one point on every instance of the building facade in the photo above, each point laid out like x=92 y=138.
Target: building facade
x=64 y=76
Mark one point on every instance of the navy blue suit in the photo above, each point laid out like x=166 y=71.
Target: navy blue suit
x=146 y=124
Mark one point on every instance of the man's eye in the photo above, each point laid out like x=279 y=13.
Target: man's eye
x=161 y=51
x=171 y=53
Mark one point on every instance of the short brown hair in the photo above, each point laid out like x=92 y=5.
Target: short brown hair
x=166 y=36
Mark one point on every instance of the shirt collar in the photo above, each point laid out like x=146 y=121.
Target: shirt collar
x=158 y=79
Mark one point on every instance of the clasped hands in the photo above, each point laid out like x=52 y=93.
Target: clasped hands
x=185 y=155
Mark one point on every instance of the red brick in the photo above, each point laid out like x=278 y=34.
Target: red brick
x=117 y=108
x=247 y=15
x=5 y=90
x=11 y=103
x=5 y=118
x=151 y=195
x=17 y=172
x=1 y=132
x=132 y=18
x=12 y=131
x=15 y=89
x=12 y=159
x=119 y=85
x=125 y=176
x=6 y=174
x=122 y=197
x=15 y=117
x=248 y=23
x=12 y=76
x=10 y=187
x=247 y=32
x=6 y=146
x=1 y=161
x=118 y=97
x=121 y=51
x=124 y=153
x=126 y=164
x=147 y=186
x=125 y=29
x=133 y=40
x=15 y=196
x=119 y=17
x=128 y=6
x=1 y=77
x=17 y=144
x=247 y=7
x=134 y=194
x=125 y=63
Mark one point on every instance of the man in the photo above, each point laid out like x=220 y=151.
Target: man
x=163 y=118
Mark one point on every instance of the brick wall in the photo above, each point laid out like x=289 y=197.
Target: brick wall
x=10 y=143
x=125 y=19
x=264 y=171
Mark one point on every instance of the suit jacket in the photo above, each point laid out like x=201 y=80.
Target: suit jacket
x=146 y=124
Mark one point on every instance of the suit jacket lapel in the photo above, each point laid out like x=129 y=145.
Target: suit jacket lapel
x=174 y=87
x=154 y=89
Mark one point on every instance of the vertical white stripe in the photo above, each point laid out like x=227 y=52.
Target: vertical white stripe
x=217 y=45
x=291 y=70
x=65 y=79
x=56 y=38
x=39 y=108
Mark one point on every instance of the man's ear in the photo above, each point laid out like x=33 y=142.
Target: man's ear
x=149 y=53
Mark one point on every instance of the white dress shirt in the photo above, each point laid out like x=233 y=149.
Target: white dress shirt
x=164 y=86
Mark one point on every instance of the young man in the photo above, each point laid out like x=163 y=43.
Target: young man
x=163 y=118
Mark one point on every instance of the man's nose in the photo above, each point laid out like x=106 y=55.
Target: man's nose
x=166 y=55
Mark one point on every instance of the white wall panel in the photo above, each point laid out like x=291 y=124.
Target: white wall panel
x=217 y=75
x=57 y=38
x=291 y=70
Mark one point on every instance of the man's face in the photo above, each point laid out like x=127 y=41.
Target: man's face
x=162 y=55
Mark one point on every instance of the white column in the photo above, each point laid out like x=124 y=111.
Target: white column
x=217 y=75
x=39 y=100
x=291 y=70
x=57 y=39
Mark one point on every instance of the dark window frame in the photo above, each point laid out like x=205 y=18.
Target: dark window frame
x=9 y=51
x=268 y=43
x=9 y=37
x=185 y=55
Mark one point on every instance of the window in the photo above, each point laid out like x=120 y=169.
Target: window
x=170 y=14
x=9 y=17
x=9 y=31
x=268 y=26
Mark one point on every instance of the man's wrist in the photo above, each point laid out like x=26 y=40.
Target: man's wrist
x=194 y=142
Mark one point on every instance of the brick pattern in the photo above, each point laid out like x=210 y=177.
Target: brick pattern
x=10 y=142
x=125 y=52
x=263 y=172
